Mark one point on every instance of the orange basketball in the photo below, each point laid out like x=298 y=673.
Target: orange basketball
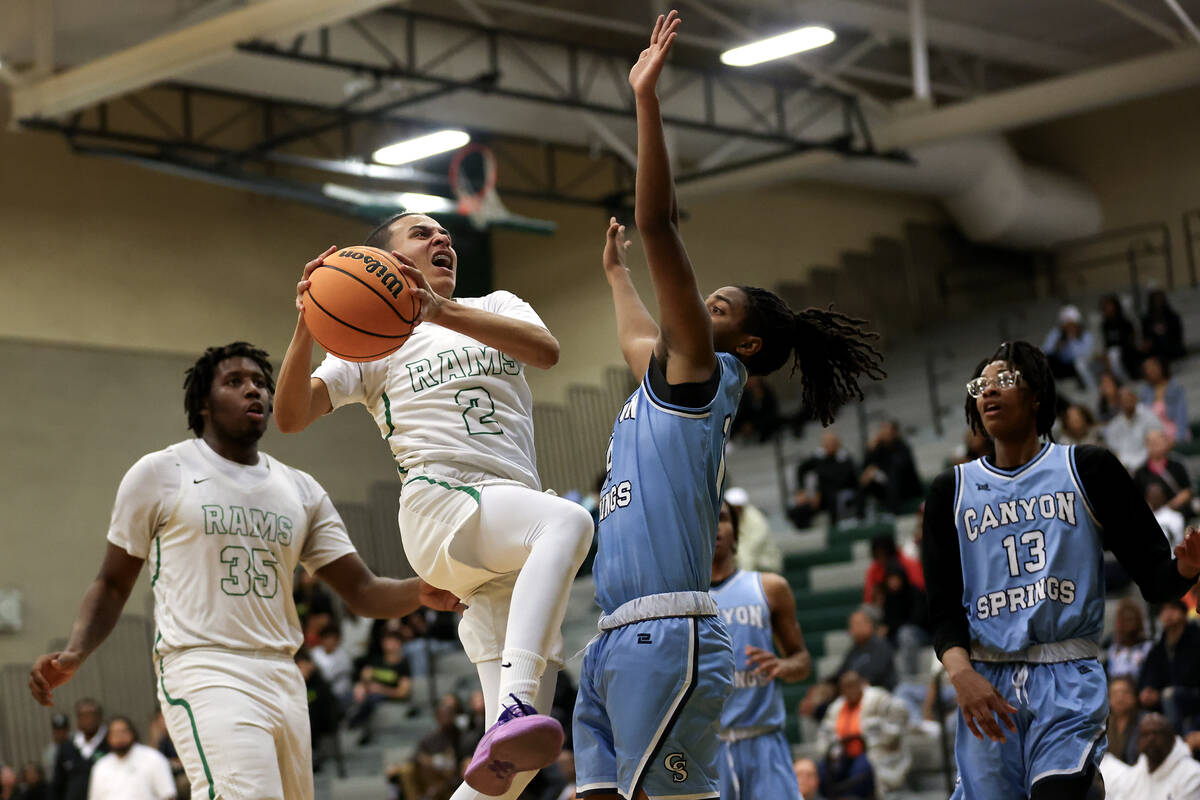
x=360 y=306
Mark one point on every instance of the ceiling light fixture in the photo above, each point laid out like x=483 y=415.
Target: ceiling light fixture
x=785 y=44
x=421 y=147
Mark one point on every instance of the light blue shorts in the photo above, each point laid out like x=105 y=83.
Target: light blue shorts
x=1061 y=729
x=650 y=698
x=758 y=768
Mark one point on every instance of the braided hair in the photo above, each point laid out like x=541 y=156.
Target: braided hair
x=381 y=235
x=198 y=380
x=1034 y=367
x=833 y=351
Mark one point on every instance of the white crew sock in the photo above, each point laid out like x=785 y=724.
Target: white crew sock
x=520 y=674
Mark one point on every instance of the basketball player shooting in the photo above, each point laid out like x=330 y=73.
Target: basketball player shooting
x=759 y=610
x=454 y=408
x=660 y=631
x=1016 y=541
x=224 y=526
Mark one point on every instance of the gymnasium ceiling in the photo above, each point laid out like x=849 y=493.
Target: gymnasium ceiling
x=552 y=73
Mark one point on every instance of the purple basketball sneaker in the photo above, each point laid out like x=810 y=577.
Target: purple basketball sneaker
x=521 y=740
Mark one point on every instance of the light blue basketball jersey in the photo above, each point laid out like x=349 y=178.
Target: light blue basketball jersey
x=1031 y=551
x=662 y=494
x=755 y=701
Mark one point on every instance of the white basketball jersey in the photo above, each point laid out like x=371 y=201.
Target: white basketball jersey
x=445 y=398
x=222 y=542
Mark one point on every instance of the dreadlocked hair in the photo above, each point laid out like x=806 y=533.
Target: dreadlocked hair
x=1034 y=367
x=833 y=351
x=381 y=235
x=198 y=380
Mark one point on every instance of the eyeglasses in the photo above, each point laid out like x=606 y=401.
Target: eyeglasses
x=1005 y=379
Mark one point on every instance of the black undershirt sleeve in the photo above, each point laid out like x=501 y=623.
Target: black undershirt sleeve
x=687 y=395
x=1128 y=525
x=943 y=567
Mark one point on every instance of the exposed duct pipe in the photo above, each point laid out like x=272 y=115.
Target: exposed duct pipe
x=993 y=196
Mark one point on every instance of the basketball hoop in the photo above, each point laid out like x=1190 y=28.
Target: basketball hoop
x=473 y=179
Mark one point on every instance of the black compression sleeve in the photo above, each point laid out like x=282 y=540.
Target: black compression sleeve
x=688 y=395
x=943 y=567
x=1129 y=528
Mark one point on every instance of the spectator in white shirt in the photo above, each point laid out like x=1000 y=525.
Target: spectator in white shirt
x=1170 y=520
x=1126 y=433
x=756 y=549
x=130 y=771
x=1164 y=771
x=336 y=666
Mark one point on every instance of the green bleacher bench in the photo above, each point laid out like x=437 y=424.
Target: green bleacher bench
x=828 y=618
x=862 y=533
x=835 y=553
x=823 y=598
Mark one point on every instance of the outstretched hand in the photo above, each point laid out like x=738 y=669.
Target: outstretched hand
x=982 y=705
x=615 y=246
x=644 y=75
x=51 y=671
x=1187 y=554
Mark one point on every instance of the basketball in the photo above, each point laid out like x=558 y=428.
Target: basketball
x=360 y=306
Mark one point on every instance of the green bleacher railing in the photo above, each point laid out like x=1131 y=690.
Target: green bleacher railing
x=1134 y=245
x=1191 y=240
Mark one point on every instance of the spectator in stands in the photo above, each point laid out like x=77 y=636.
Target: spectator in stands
x=8 y=782
x=905 y=617
x=1168 y=472
x=870 y=656
x=757 y=416
x=868 y=721
x=1121 y=352
x=1109 y=404
x=1069 y=348
x=807 y=778
x=1166 y=398
x=1126 y=433
x=1165 y=769
x=440 y=753
x=1170 y=520
x=428 y=634
x=884 y=551
x=335 y=664
x=130 y=771
x=1127 y=652
x=1170 y=676
x=1124 y=717
x=1078 y=426
x=477 y=721
x=356 y=637
x=386 y=679
x=60 y=731
x=890 y=475
x=33 y=783
x=1162 y=330
x=324 y=709
x=75 y=759
x=826 y=481
x=756 y=549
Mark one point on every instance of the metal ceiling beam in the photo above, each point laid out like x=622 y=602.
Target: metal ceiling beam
x=43 y=38
x=1015 y=108
x=170 y=54
x=942 y=33
x=1184 y=19
x=1147 y=21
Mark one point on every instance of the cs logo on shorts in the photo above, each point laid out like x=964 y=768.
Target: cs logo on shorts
x=677 y=764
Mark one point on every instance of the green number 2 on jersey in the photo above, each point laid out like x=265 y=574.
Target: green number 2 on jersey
x=249 y=570
x=478 y=410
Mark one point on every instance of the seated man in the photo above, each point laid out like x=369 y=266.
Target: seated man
x=1169 y=473
x=1165 y=770
x=1170 y=520
x=1170 y=676
x=890 y=475
x=807 y=778
x=1068 y=348
x=386 y=679
x=1126 y=433
x=825 y=482
x=867 y=721
x=870 y=656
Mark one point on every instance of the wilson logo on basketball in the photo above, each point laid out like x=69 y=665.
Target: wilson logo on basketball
x=373 y=266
